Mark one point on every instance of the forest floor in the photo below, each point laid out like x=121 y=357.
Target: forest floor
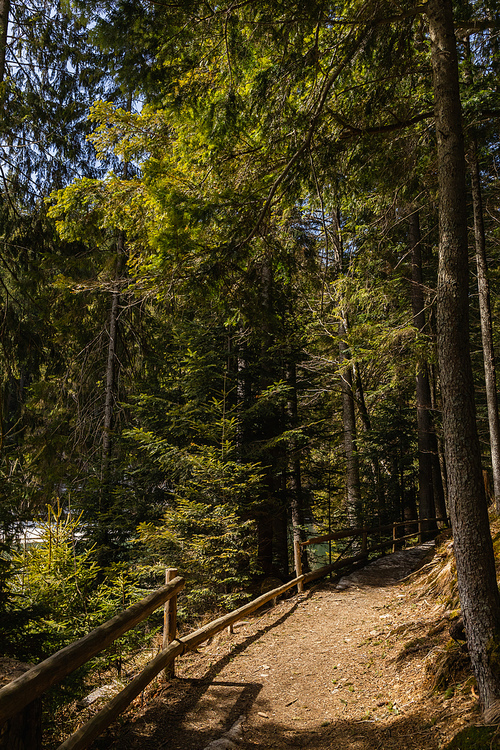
x=348 y=665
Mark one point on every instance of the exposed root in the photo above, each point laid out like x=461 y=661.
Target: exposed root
x=447 y=668
x=492 y=713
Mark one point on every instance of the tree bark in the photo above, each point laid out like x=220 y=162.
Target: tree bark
x=439 y=477
x=110 y=395
x=265 y=543
x=473 y=547
x=437 y=480
x=486 y=322
x=281 y=556
x=353 y=491
x=4 y=26
x=366 y=424
x=294 y=467
x=425 y=428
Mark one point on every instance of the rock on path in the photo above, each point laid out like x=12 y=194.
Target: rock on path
x=390 y=568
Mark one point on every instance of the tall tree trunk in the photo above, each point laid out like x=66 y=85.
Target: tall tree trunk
x=425 y=429
x=439 y=476
x=265 y=543
x=486 y=323
x=294 y=467
x=268 y=426
x=243 y=392
x=353 y=489
x=110 y=396
x=473 y=547
x=437 y=480
x=280 y=540
x=366 y=424
x=103 y=536
x=4 y=26
x=347 y=384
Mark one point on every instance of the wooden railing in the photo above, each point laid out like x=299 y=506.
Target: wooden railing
x=360 y=538
x=19 y=693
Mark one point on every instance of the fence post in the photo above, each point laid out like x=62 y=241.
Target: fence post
x=394 y=537
x=23 y=731
x=364 y=543
x=298 y=564
x=170 y=622
x=420 y=532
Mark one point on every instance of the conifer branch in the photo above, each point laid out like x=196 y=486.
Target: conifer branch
x=380 y=129
x=312 y=127
x=417 y=10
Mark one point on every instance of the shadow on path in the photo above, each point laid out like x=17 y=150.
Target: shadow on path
x=411 y=732
x=160 y=726
x=188 y=713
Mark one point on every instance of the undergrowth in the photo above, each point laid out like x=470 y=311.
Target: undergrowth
x=446 y=659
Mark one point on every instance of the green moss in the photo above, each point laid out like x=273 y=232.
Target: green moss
x=496 y=545
x=475 y=738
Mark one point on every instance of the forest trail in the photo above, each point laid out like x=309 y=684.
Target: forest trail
x=322 y=670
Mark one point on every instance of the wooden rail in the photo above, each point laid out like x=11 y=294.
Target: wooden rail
x=25 y=689
x=20 y=692
x=362 y=533
x=98 y=723
x=376 y=530
x=343 y=534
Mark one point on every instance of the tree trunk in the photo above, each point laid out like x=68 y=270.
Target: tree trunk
x=353 y=490
x=473 y=547
x=425 y=429
x=439 y=477
x=4 y=26
x=110 y=396
x=366 y=424
x=265 y=543
x=437 y=480
x=294 y=468
x=243 y=391
x=281 y=561
x=486 y=323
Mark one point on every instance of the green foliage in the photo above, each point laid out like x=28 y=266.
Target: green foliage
x=54 y=577
x=203 y=532
x=271 y=163
x=57 y=593
x=45 y=99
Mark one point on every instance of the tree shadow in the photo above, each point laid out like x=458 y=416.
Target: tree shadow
x=415 y=731
x=183 y=696
x=213 y=707
x=411 y=732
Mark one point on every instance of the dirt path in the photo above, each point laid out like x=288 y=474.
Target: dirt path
x=319 y=671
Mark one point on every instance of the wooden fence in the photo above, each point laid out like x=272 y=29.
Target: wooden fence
x=362 y=535
x=19 y=694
